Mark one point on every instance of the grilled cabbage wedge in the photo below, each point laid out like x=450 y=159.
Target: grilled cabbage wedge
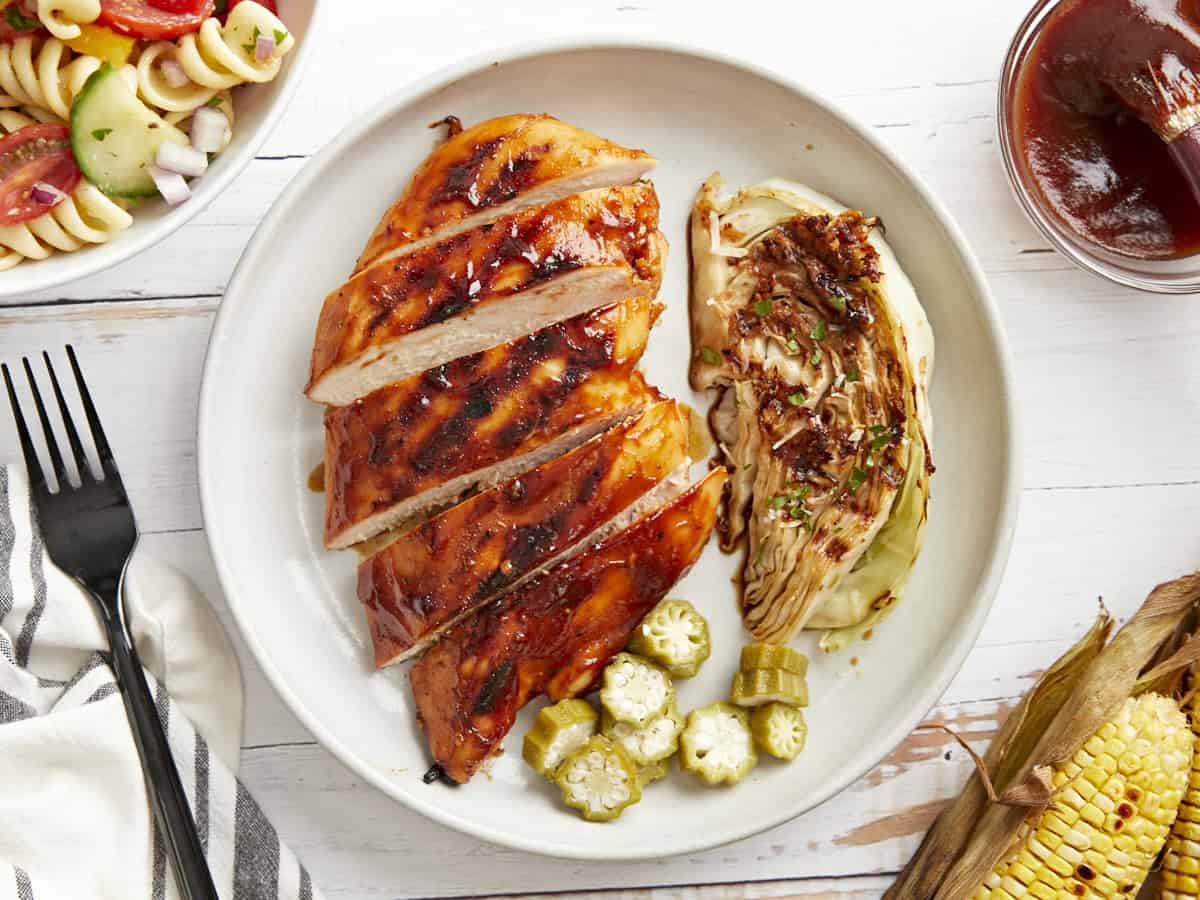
x=491 y=284
x=815 y=339
x=413 y=446
x=554 y=635
x=447 y=567
x=494 y=168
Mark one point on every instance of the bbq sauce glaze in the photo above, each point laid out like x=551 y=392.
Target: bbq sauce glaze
x=1100 y=169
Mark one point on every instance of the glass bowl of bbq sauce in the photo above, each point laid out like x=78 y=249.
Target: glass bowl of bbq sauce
x=1102 y=187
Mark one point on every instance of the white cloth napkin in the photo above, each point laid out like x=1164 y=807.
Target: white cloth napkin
x=75 y=820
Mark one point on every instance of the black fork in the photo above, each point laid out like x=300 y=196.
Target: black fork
x=90 y=534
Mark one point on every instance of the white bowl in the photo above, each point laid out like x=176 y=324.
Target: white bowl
x=259 y=438
x=258 y=108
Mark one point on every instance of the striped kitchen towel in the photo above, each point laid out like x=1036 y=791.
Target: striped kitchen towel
x=75 y=823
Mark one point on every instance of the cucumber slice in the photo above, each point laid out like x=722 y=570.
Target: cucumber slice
x=115 y=136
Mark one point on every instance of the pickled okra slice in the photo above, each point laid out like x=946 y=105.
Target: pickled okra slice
x=652 y=742
x=716 y=745
x=599 y=779
x=773 y=656
x=759 y=687
x=779 y=730
x=556 y=733
x=675 y=636
x=652 y=773
x=635 y=690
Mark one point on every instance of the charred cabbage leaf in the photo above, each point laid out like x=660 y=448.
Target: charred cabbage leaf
x=821 y=353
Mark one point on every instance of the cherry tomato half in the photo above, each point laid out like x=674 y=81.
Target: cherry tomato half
x=35 y=153
x=154 y=21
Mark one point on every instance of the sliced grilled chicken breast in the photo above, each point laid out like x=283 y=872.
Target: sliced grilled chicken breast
x=484 y=286
x=555 y=634
x=495 y=168
x=418 y=444
x=449 y=566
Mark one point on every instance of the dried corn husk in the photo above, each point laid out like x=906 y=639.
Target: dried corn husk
x=1080 y=692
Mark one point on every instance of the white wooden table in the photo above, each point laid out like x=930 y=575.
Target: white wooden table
x=1109 y=391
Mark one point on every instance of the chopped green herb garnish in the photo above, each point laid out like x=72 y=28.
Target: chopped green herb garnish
x=799 y=493
x=878 y=429
x=880 y=442
x=838 y=303
x=18 y=20
x=710 y=356
x=214 y=101
x=857 y=477
x=796 y=399
x=793 y=345
x=252 y=45
x=818 y=333
x=280 y=36
x=101 y=133
x=779 y=501
x=815 y=359
x=852 y=374
x=764 y=306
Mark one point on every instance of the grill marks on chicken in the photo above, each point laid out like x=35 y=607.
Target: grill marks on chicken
x=408 y=447
x=451 y=565
x=819 y=415
x=494 y=168
x=554 y=635
x=514 y=276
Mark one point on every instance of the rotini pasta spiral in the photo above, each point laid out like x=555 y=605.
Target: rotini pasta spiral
x=87 y=216
x=62 y=18
x=51 y=75
x=215 y=58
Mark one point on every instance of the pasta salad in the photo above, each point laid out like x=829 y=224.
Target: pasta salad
x=107 y=102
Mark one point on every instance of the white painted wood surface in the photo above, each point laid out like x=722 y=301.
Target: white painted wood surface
x=1108 y=387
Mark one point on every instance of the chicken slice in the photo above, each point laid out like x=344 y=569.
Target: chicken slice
x=484 y=286
x=474 y=422
x=495 y=168
x=429 y=578
x=556 y=634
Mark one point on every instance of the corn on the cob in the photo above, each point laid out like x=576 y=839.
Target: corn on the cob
x=1113 y=806
x=1181 y=864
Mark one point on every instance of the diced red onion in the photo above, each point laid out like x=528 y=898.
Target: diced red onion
x=180 y=159
x=46 y=194
x=264 y=47
x=171 y=185
x=208 y=130
x=173 y=73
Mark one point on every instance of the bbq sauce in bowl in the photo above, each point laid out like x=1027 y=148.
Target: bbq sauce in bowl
x=1097 y=167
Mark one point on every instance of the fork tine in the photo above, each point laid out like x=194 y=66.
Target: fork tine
x=37 y=480
x=56 y=459
x=81 y=463
x=107 y=463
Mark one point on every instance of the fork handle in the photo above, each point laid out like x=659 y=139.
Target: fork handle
x=170 y=804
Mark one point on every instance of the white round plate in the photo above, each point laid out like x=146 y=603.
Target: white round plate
x=257 y=108
x=259 y=438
